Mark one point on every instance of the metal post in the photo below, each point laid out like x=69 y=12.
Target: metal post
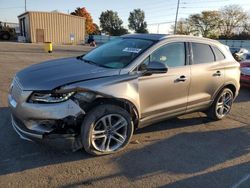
x=25 y=7
x=176 y=16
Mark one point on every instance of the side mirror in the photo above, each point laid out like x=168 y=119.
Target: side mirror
x=156 y=67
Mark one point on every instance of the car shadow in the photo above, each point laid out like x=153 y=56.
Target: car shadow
x=240 y=110
x=177 y=122
x=186 y=152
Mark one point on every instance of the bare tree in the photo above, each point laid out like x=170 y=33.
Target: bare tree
x=233 y=17
x=246 y=25
x=184 y=28
x=207 y=23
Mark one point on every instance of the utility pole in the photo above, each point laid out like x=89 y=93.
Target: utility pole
x=176 y=16
x=25 y=7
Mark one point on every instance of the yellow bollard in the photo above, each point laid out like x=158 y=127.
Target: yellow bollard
x=48 y=47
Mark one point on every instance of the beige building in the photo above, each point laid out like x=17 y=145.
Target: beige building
x=52 y=27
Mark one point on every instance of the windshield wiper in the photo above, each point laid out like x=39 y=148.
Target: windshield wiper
x=90 y=62
x=87 y=61
x=94 y=63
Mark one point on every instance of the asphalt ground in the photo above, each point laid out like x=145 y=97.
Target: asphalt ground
x=188 y=151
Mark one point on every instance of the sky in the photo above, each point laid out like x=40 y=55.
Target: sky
x=160 y=14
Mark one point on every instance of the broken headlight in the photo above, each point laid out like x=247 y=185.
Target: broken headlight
x=50 y=97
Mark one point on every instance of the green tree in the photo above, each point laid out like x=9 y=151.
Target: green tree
x=137 y=21
x=111 y=23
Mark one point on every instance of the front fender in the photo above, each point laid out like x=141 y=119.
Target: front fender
x=124 y=87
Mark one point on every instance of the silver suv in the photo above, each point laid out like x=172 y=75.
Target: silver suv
x=100 y=98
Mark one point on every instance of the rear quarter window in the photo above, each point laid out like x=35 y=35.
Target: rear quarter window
x=218 y=54
x=202 y=53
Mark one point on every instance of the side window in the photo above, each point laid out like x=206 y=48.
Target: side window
x=144 y=64
x=218 y=54
x=173 y=55
x=202 y=53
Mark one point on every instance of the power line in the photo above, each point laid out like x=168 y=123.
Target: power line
x=208 y=1
x=160 y=23
x=213 y=6
x=125 y=10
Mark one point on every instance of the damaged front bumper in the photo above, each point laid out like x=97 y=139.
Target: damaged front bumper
x=38 y=121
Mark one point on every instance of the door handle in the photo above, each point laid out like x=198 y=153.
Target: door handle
x=181 y=79
x=218 y=73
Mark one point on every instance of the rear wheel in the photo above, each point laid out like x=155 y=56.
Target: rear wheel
x=5 y=36
x=106 y=129
x=222 y=105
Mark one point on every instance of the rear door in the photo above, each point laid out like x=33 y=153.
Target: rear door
x=207 y=75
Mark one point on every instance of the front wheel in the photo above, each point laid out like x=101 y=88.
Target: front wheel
x=106 y=129
x=221 y=105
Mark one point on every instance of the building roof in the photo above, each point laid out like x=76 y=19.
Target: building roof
x=43 y=12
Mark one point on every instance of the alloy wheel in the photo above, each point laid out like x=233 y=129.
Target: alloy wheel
x=109 y=133
x=224 y=104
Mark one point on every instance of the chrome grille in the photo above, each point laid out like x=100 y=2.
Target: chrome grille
x=16 y=90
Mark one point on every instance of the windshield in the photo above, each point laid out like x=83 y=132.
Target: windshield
x=117 y=53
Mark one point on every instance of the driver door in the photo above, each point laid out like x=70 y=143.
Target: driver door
x=166 y=94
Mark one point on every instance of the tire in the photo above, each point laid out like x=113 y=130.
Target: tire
x=96 y=124
x=5 y=36
x=220 y=105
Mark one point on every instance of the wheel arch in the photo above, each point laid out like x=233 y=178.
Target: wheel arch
x=123 y=103
x=230 y=86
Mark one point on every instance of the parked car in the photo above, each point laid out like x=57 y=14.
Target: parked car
x=6 y=32
x=245 y=70
x=234 y=49
x=100 y=98
x=246 y=57
x=238 y=53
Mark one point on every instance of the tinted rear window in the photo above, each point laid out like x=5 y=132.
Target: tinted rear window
x=218 y=54
x=202 y=53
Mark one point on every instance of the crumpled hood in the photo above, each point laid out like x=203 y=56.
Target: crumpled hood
x=59 y=72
